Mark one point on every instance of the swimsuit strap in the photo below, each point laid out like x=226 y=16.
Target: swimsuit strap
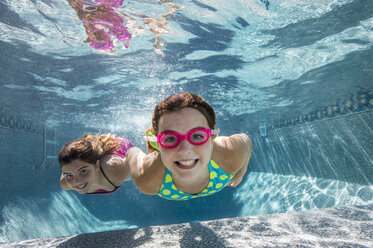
x=103 y=191
x=103 y=173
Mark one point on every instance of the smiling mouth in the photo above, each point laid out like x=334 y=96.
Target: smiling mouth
x=187 y=164
x=81 y=186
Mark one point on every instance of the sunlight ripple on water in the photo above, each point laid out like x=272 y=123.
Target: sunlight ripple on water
x=264 y=193
x=61 y=215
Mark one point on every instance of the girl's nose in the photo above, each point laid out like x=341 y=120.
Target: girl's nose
x=76 y=180
x=185 y=147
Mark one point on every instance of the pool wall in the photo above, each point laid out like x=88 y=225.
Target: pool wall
x=20 y=153
x=338 y=148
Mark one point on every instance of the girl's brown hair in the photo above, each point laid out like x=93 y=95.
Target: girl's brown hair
x=177 y=102
x=88 y=148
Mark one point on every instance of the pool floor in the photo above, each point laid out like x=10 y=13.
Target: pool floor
x=330 y=227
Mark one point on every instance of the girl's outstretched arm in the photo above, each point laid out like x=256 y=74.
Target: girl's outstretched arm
x=245 y=149
x=234 y=152
x=147 y=170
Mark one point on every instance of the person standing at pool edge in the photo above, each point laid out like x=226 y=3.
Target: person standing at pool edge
x=94 y=164
x=186 y=159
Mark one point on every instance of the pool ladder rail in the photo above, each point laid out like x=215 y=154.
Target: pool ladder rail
x=50 y=156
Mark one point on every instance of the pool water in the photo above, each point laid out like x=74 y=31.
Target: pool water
x=296 y=76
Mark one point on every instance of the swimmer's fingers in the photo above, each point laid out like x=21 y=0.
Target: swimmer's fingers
x=235 y=181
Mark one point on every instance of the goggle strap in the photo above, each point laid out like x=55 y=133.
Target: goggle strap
x=215 y=131
x=152 y=140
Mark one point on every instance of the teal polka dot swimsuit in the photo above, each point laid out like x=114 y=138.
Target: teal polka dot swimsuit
x=218 y=180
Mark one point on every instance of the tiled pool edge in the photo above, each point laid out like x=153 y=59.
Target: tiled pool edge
x=331 y=227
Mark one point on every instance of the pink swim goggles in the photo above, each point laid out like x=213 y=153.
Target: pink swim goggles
x=169 y=140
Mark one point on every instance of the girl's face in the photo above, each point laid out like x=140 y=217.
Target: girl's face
x=80 y=175
x=185 y=161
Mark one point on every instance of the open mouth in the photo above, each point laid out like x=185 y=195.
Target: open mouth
x=81 y=186
x=186 y=164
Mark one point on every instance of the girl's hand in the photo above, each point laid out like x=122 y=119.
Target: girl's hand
x=236 y=180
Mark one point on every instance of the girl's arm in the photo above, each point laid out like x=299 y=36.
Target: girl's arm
x=233 y=153
x=116 y=168
x=147 y=170
x=236 y=180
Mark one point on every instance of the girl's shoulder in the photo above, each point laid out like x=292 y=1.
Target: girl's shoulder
x=112 y=162
x=234 y=141
x=115 y=167
x=230 y=151
x=234 y=144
